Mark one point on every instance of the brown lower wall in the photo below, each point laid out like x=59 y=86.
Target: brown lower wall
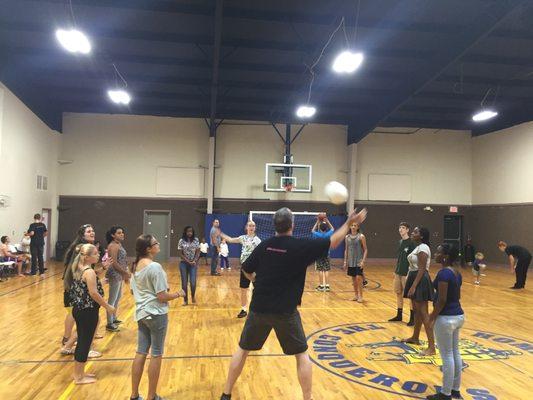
x=485 y=224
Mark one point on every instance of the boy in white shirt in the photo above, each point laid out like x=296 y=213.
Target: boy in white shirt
x=224 y=253
x=204 y=249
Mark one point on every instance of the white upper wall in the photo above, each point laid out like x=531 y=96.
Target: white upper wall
x=27 y=148
x=124 y=151
x=118 y=155
x=243 y=151
x=503 y=166
x=439 y=164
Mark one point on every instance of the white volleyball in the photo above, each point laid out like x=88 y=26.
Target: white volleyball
x=336 y=192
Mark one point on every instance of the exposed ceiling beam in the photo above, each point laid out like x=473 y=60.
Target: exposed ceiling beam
x=270 y=15
x=43 y=28
x=216 y=61
x=454 y=51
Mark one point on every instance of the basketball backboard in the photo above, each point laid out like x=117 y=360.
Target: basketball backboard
x=278 y=176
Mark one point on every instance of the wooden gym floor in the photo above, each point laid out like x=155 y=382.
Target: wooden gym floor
x=354 y=349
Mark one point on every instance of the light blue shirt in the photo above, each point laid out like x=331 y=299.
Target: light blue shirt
x=146 y=284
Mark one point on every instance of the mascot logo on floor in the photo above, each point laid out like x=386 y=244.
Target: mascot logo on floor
x=368 y=354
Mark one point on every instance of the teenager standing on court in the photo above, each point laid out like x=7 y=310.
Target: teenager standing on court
x=86 y=298
x=152 y=294
x=248 y=242
x=84 y=235
x=519 y=260
x=322 y=230
x=189 y=252
x=406 y=246
x=117 y=273
x=419 y=289
x=278 y=268
x=214 y=238
x=447 y=319
x=37 y=232
x=355 y=253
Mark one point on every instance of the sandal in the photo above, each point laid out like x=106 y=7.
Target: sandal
x=67 y=352
x=410 y=341
x=94 y=354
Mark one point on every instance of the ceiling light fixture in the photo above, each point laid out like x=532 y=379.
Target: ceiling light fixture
x=119 y=96
x=347 y=62
x=484 y=115
x=73 y=41
x=305 y=111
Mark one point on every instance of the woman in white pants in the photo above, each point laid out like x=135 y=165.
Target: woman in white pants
x=448 y=319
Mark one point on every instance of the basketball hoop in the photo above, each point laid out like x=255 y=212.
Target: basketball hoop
x=288 y=187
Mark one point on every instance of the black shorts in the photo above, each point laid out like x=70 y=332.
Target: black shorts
x=288 y=328
x=204 y=255
x=355 y=271
x=67 y=302
x=244 y=281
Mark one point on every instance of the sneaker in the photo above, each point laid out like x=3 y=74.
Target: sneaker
x=327 y=288
x=216 y=274
x=157 y=397
x=137 y=398
x=397 y=318
x=476 y=283
x=229 y=268
x=242 y=314
x=456 y=394
x=225 y=396
x=117 y=321
x=319 y=288
x=365 y=283
x=112 y=328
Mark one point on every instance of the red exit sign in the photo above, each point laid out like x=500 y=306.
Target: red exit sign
x=454 y=209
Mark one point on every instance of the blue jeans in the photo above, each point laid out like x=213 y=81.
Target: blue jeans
x=188 y=272
x=151 y=334
x=224 y=262
x=214 y=259
x=447 y=336
x=115 y=293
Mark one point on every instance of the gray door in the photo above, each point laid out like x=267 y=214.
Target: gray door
x=453 y=231
x=157 y=223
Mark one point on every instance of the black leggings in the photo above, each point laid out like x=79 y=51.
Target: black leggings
x=86 y=323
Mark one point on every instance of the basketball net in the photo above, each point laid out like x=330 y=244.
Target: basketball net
x=288 y=187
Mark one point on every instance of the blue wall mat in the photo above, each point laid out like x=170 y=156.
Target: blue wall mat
x=233 y=225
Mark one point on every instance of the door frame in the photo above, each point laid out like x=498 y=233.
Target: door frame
x=169 y=212
x=48 y=237
x=461 y=217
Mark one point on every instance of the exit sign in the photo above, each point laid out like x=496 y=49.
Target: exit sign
x=454 y=209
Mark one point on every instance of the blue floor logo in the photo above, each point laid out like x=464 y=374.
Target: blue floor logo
x=368 y=354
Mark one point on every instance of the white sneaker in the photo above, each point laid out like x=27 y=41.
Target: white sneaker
x=229 y=268
x=476 y=282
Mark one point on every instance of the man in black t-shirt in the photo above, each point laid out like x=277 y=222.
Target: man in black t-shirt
x=278 y=267
x=519 y=260
x=37 y=232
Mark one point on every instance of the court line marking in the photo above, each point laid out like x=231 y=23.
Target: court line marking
x=119 y=359
x=30 y=284
x=67 y=392
x=233 y=309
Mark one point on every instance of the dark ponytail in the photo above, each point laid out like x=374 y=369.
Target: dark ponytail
x=109 y=234
x=142 y=244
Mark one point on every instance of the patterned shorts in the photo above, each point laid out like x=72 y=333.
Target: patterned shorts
x=323 y=264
